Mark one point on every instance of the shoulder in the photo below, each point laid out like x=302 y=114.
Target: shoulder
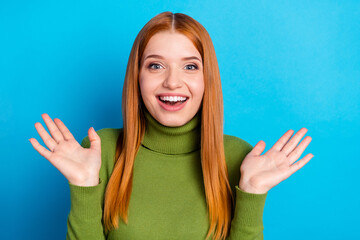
x=108 y=136
x=235 y=146
x=235 y=150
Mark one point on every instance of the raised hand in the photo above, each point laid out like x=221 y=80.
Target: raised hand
x=260 y=173
x=79 y=165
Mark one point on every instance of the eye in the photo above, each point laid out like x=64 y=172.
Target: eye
x=154 y=66
x=192 y=67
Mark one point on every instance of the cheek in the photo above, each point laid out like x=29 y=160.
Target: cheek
x=141 y=86
x=143 y=93
x=197 y=88
x=143 y=82
x=147 y=88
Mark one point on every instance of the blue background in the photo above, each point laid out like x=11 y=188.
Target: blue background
x=284 y=65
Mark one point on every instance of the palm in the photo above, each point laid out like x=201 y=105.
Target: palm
x=71 y=159
x=79 y=165
x=260 y=173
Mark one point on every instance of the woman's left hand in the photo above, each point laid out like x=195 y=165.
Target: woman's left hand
x=261 y=173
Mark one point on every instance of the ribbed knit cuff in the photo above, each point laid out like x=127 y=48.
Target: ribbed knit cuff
x=86 y=201
x=249 y=208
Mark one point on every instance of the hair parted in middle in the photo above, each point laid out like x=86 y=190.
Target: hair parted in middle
x=219 y=196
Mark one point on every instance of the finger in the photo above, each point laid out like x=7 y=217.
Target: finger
x=282 y=141
x=95 y=141
x=47 y=139
x=299 y=164
x=63 y=129
x=60 y=163
x=53 y=129
x=296 y=153
x=258 y=148
x=43 y=151
x=289 y=147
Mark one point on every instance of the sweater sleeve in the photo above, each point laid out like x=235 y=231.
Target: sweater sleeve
x=85 y=217
x=247 y=223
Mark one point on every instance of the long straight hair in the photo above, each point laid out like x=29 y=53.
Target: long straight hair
x=219 y=196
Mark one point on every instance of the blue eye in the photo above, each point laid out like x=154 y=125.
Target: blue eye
x=154 y=64
x=192 y=65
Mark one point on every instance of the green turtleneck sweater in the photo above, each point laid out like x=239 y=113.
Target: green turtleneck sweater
x=168 y=195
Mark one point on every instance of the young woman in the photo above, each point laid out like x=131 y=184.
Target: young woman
x=170 y=172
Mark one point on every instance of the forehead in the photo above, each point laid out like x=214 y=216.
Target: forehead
x=170 y=45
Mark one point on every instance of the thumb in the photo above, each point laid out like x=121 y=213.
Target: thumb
x=258 y=149
x=95 y=141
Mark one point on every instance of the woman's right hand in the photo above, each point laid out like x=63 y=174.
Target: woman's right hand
x=79 y=165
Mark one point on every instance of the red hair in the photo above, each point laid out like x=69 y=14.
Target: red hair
x=215 y=175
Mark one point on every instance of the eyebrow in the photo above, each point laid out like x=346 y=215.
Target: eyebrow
x=184 y=58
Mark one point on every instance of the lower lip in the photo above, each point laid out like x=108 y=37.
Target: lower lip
x=170 y=107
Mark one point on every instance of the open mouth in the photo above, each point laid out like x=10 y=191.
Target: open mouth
x=173 y=100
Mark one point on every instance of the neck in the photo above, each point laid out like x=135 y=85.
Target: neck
x=172 y=140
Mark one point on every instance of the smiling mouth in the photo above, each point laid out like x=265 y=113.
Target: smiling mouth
x=173 y=100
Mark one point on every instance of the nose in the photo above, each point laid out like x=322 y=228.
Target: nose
x=172 y=79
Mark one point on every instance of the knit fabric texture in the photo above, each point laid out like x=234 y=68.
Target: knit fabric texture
x=168 y=194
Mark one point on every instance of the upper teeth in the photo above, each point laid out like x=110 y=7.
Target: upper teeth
x=172 y=98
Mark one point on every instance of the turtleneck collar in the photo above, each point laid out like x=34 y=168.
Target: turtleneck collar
x=172 y=140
